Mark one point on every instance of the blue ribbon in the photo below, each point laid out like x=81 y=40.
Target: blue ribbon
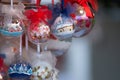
x=64 y=9
x=62 y=5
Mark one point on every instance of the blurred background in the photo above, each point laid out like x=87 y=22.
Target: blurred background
x=106 y=52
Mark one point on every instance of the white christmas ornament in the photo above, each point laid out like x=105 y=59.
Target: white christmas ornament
x=43 y=66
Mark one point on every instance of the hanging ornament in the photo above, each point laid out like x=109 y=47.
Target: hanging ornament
x=3 y=68
x=42 y=71
x=39 y=33
x=82 y=14
x=63 y=27
x=39 y=30
x=12 y=25
x=43 y=66
x=83 y=23
x=20 y=69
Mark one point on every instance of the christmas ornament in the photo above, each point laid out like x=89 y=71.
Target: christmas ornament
x=39 y=33
x=63 y=27
x=12 y=22
x=39 y=30
x=20 y=69
x=43 y=66
x=42 y=71
x=13 y=29
x=82 y=14
x=83 y=27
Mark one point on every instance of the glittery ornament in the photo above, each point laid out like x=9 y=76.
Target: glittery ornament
x=82 y=12
x=38 y=31
x=20 y=69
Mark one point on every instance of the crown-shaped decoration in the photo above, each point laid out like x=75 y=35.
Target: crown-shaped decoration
x=20 y=70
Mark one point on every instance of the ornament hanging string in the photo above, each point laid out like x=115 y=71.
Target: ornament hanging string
x=62 y=5
x=38 y=48
x=11 y=9
x=64 y=8
x=38 y=3
x=38 y=45
x=20 y=49
x=11 y=4
x=53 y=3
x=26 y=43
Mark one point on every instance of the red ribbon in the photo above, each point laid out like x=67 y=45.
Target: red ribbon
x=53 y=3
x=38 y=2
x=42 y=14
